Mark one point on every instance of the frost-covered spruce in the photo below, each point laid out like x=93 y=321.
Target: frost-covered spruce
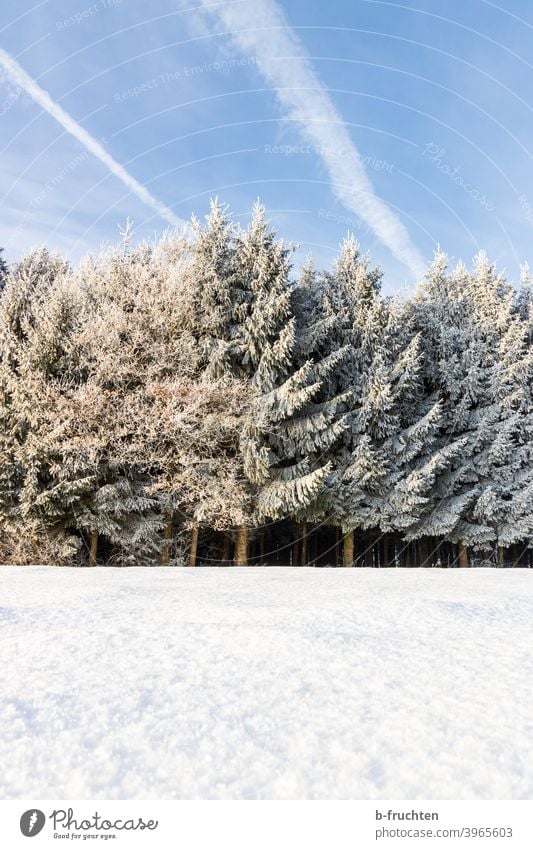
x=216 y=302
x=524 y=300
x=180 y=413
x=476 y=359
x=390 y=423
x=286 y=446
x=215 y=297
x=505 y=466
x=38 y=315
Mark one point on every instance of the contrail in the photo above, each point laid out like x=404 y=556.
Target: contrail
x=19 y=76
x=259 y=27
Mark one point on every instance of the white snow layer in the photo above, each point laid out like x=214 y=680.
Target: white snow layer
x=266 y=683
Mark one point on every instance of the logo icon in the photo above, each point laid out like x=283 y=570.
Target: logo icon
x=32 y=822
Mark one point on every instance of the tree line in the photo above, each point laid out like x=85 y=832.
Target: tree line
x=198 y=401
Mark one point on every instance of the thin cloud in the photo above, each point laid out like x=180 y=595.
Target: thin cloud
x=22 y=79
x=259 y=27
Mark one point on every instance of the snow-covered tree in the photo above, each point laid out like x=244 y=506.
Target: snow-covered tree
x=286 y=443
x=176 y=458
x=504 y=466
x=476 y=359
x=390 y=422
x=215 y=299
x=38 y=314
x=524 y=300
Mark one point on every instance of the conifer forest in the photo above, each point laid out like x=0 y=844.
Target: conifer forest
x=201 y=401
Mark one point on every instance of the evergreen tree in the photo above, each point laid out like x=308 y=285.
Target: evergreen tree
x=286 y=444
x=475 y=359
x=215 y=304
x=504 y=465
x=390 y=422
x=524 y=301
x=37 y=316
x=174 y=455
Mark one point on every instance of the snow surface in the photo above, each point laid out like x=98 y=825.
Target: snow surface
x=266 y=683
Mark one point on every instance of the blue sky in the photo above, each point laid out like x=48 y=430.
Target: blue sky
x=407 y=123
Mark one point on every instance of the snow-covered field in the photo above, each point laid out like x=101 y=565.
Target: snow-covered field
x=266 y=683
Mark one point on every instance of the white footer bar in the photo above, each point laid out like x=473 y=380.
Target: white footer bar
x=254 y=824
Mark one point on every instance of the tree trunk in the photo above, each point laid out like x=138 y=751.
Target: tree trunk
x=241 y=547
x=369 y=550
x=93 y=548
x=379 y=552
x=501 y=561
x=304 y=544
x=262 y=547
x=386 y=550
x=421 y=560
x=194 y=545
x=348 y=549
x=167 y=536
x=224 y=554
x=435 y=551
x=463 y=555
x=296 y=548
